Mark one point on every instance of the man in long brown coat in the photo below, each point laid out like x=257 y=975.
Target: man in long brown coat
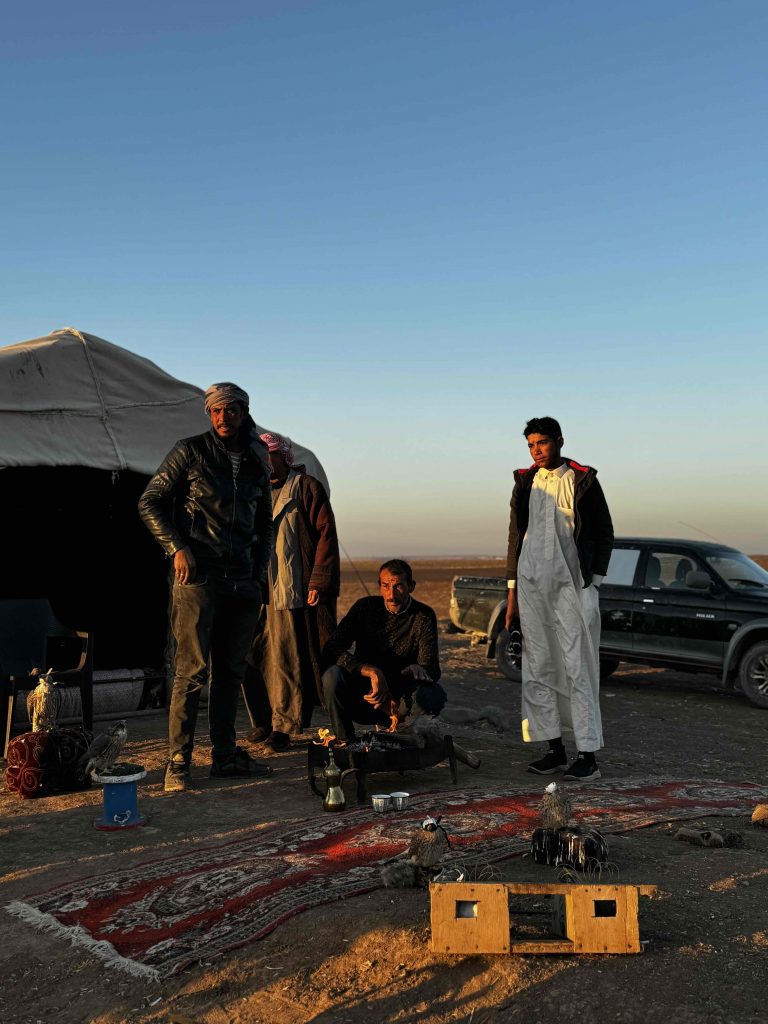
x=282 y=682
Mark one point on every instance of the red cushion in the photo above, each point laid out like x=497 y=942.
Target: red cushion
x=29 y=760
x=40 y=762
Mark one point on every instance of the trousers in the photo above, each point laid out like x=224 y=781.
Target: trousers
x=345 y=700
x=213 y=621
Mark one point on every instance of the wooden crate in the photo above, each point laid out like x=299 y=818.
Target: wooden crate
x=473 y=917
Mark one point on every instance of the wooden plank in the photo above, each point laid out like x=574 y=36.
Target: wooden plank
x=562 y=889
x=632 y=928
x=538 y=888
x=542 y=946
x=487 y=931
x=590 y=933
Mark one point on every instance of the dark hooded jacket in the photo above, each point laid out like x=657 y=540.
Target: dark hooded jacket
x=194 y=500
x=593 y=529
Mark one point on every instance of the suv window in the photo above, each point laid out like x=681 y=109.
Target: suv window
x=737 y=570
x=621 y=568
x=668 y=569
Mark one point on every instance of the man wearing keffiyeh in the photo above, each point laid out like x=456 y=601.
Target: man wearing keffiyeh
x=208 y=506
x=282 y=683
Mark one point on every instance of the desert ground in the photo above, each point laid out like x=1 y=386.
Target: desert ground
x=367 y=959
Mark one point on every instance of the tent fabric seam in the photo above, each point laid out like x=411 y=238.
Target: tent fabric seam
x=96 y=415
x=123 y=462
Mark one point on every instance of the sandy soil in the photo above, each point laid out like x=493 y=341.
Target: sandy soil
x=368 y=959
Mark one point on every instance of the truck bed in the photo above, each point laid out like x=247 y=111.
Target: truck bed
x=473 y=601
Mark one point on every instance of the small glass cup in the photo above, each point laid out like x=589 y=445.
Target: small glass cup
x=399 y=801
x=381 y=802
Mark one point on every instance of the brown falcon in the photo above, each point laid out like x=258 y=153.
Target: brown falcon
x=429 y=845
x=44 y=704
x=105 y=749
x=555 y=807
x=419 y=862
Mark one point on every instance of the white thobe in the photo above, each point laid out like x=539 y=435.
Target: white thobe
x=559 y=620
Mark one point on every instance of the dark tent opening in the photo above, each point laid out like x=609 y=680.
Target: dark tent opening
x=73 y=535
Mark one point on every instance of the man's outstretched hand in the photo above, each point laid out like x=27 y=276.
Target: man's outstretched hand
x=417 y=672
x=511 y=608
x=379 y=691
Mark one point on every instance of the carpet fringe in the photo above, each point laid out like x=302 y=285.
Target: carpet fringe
x=78 y=936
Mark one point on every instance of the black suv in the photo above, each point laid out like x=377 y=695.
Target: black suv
x=689 y=605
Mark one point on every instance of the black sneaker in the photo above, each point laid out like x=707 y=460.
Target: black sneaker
x=258 y=735
x=583 y=769
x=239 y=765
x=549 y=764
x=256 y=768
x=279 y=741
x=177 y=777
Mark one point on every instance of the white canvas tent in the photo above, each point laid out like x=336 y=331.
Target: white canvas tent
x=72 y=399
x=83 y=424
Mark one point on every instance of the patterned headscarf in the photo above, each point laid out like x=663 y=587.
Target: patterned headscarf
x=225 y=394
x=278 y=443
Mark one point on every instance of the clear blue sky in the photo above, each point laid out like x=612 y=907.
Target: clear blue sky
x=406 y=227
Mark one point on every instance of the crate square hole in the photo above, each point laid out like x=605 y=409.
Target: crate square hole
x=605 y=908
x=466 y=908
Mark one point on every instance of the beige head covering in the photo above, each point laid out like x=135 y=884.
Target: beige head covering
x=225 y=394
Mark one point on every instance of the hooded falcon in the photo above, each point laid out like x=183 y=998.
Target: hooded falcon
x=430 y=844
x=105 y=749
x=44 y=704
x=417 y=865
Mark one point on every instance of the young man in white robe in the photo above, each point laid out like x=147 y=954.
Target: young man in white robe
x=560 y=540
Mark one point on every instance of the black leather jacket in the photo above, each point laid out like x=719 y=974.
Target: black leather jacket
x=195 y=501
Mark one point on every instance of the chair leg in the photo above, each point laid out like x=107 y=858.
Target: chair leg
x=86 y=703
x=7 y=708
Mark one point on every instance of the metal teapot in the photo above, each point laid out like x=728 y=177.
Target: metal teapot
x=334 y=777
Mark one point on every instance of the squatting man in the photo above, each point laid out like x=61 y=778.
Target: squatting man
x=383 y=650
x=560 y=540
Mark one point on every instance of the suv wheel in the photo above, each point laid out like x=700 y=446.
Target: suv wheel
x=607 y=667
x=753 y=674
x=509 y=654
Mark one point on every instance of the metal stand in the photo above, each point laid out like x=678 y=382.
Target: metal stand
x=121 y=809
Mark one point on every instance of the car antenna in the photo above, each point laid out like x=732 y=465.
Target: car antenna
x=703 y=532
x=362 y=581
